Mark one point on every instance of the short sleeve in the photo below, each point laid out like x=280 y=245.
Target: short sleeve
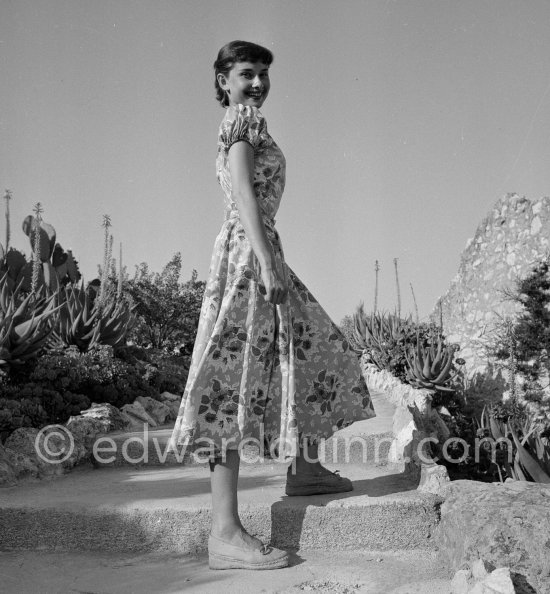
x=244 y=122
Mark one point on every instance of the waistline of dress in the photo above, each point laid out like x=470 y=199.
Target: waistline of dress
x=233 y=215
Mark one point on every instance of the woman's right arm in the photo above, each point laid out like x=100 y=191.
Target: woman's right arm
x=241 y=168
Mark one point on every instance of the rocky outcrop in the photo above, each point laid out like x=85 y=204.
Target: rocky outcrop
x=33 y=453
x=506 y=524
x=55 y=449
x=156 y=409
x=110 y=418
x=513 y=237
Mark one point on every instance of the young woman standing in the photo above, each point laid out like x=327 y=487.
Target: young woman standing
x=268 y=362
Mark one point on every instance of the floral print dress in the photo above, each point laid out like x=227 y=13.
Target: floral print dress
x=276 y=373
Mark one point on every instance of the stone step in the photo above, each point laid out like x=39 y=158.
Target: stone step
x=150 y=448
x=128 y=509
x=362 y=442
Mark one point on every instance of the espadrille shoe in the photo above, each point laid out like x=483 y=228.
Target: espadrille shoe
x=225 y=555
x=323 y=483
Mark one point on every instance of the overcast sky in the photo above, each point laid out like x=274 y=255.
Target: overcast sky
x=402 y=121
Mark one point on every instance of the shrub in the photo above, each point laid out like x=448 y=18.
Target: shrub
x=166 y=309
x=42 y=405
x=24 y=412
x=524 y=344
x=96 y=374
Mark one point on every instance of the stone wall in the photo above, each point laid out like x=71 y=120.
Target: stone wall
x=512 y=238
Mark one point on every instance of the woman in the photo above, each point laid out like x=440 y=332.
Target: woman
x=268 y=362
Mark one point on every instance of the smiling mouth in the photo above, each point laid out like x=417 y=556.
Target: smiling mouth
x=255 y=95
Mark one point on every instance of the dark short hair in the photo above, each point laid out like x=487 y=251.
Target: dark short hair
x=237 y=51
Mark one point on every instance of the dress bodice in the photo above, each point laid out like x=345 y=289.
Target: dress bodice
x=246 y=123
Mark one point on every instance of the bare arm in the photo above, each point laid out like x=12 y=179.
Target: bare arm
x=241 y=168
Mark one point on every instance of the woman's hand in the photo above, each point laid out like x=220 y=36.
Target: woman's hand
x=275 y=285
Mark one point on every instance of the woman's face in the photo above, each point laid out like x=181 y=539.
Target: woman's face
x=247 y=83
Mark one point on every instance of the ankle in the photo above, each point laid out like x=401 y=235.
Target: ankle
x=225 y=530
x=301 y=466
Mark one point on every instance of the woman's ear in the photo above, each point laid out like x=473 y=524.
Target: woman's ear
x=222 y=81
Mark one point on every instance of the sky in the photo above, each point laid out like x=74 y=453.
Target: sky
x=402 y=123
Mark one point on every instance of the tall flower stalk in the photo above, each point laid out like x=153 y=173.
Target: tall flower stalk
x=36 y=264
x=112 y=263
x=398 y=289
x=106 y=224
x=7 y=198
x=376 y=269
x=119 y=288
x=415 y=304
x=512 y=367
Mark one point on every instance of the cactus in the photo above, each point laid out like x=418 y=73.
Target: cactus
x=53 y=266
x=13 y=264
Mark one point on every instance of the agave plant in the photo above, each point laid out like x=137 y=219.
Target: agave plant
x=377 y=331
x=534 y=460
x=82 y=324
x=431 y=366
x=530 y=455
x=384 y=339
x=25 y=324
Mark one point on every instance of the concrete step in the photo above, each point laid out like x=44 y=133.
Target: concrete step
x=150 y=448
x=129 y=509
x=361 y=443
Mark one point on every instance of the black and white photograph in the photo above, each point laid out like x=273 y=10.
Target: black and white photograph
x=275 y=296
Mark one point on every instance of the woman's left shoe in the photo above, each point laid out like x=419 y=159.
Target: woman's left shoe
x=324 y=483
x=226 y=555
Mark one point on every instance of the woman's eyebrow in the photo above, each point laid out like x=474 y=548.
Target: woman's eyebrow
x=251 y=69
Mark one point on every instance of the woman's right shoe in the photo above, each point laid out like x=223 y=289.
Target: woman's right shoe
x=225 y=555
x=323 y=483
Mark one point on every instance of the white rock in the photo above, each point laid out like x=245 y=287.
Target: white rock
x=536 y=225
x=169 y=396
x=156 y=409
x=497 y=582
x=481 y=569
x=461 y=582
x=136 y=410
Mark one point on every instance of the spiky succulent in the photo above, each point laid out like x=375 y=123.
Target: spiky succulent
x=25 y=325
x=378 y=331
x=431 y=366
x=82 y=324
x=529 y=458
